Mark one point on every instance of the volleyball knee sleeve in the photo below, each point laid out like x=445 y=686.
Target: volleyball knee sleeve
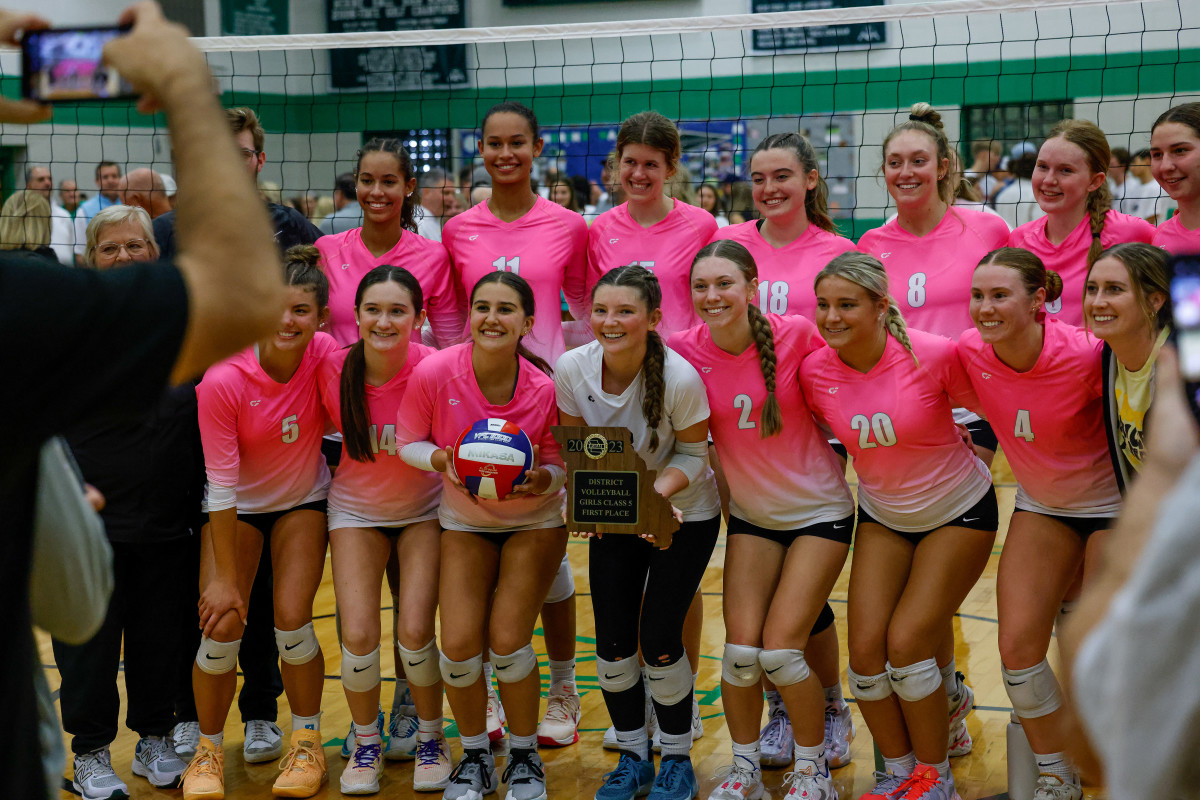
x=739 y=665
x=916 y=681
x=360 y=673
x=299 y=646
x=515 y=666
x=869 y=687
x=217 y=658
x=564 y=583
x=618 y=676
x=671 y=683
x=1033 y=692
x=461 y=674
x=784 y=667
x=421 y=666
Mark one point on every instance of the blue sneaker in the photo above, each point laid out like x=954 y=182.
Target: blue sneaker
x=633 y=777
x=348 y=742
x=676 y=780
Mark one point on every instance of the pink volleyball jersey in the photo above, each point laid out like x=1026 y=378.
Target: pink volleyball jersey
x=914 y=470
x=1174 y=238
x=444 y=399
x=347 y=260
x=787 y=481
x=1049 y=420
x=386 y=491
x=930 y=275
x=262 y=439
x=666 y=248
x=547 y=247
x=785 y=274
x=1069 y=259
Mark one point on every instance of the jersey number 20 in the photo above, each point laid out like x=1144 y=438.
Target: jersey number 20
x=879 y=424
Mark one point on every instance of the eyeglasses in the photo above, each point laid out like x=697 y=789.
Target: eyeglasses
x=135 y=248
x=248 y=154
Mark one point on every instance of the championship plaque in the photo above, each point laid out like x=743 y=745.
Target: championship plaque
x=609 y=487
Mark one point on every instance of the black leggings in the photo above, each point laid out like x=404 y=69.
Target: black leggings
x=641 y=595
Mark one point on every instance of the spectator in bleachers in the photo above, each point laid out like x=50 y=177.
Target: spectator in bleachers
x=68 y=194
x=108 y=181
x=25 y=224
x=144 y=188
x=1015 y=202
x=986 y=154
x=562 y=192
x=347 y=213
x=1125 y=188
x=437 y=202
x=62 y=228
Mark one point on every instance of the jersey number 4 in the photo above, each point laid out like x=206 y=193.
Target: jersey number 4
x=879 y=424
x=1023 y=428
x=512 y=265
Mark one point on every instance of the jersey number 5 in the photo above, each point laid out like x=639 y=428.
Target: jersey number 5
x=1023 y=428
x=513 y=265
x=879 y=424
x=291 y=429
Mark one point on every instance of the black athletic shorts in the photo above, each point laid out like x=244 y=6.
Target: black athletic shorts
x=983 y=516
x=1083 y=526
x=841 y=530
x=982 y=435
x=265 y=522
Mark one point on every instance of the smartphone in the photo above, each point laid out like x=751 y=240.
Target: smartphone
x=1185 y=324
x=64 y=65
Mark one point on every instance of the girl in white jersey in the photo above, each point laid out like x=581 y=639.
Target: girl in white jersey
x=927 y=513
x=1175 y=164
x=791 y=513
x=641 y=594
x=498 y=557
x=379 y=507
x=260 y=424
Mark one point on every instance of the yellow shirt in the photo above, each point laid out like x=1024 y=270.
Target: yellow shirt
x=1134 y=392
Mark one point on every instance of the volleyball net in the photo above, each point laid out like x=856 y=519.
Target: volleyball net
x=997 y=71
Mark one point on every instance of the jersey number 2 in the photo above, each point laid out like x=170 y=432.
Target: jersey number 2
x=879 y=424
x=513 y=265
x=742 y=401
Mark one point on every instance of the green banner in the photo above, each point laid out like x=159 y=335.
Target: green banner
x=254 y=17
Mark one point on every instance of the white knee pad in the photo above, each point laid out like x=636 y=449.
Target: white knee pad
x=360 y=673
x=670 y=684
x=869 y=687
x=421 y=666
x=784 y=667
x=916 y=681
x=564 y=583
x=739 y=665
x=461 y=674
x=1033 y=692
x=217 y=658
x=299 y=646
x=515 y=666
x=617 y=676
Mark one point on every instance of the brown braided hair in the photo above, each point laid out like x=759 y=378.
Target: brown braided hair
x=771 y=418
x=1088 y=137
x=654 y=384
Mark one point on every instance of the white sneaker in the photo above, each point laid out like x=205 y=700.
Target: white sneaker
x=804 y=785
x=432 y=772
x=960 y=739
x=361 y=775
x=95 y=779
x=697 y=722
x=839 y=733
x=186 y=736
x=155 y=760
x=741 y=782
x=402 y=737
x=777 y=742
x=495 y=715
x=264 y=742
x=560 y=725
x=1052 y=787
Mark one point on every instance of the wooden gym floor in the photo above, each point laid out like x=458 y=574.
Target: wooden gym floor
x=577 y=770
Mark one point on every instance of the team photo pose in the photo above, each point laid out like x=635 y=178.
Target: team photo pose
x=628 y=378
x=1032 y=372
x=1070 y=185
x=261 y=423
x=1125 y=306
x=1175 y=165
x=384 y=183
x=927 y=513
x=379 y=505
x=498 y=557
x=789 y=529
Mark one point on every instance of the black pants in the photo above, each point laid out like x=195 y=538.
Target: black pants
x=145 y=608
x=258 y=658
x=641 y=595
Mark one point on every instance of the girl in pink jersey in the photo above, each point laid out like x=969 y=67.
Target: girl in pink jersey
x=1175 y=164
x=1070 y=184
x=927 y=513
x=791 y=517
x=260 y=425
x=795 y=237
x=377 y=505
x=384 y=182
x=651 y=229
x=641 y=595
x=1125 y=305
x=1032 y=372
x=498 y=557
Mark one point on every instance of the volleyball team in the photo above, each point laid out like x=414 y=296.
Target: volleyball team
x=938 y=338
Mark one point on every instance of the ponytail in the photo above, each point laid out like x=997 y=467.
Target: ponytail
x=539 y=362
x=771 y=419
x=356 y=419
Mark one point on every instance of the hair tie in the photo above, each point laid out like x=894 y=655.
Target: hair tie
x=915 y=118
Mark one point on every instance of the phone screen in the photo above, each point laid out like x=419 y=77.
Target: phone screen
x=1185 y=308
x=64 y=65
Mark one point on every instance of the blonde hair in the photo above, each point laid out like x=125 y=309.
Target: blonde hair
x=867 y=272
x=116 y=215
x=924 y=119
x=25 y=221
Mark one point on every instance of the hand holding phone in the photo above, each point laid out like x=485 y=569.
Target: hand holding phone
x=1185 y=323
x=66 y=64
